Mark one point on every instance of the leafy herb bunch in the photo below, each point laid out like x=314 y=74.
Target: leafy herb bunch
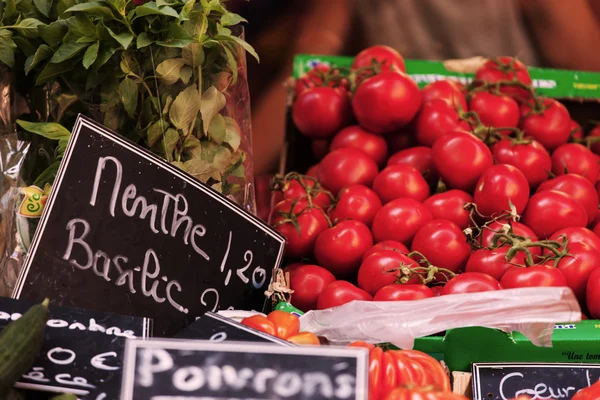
x=158 y=73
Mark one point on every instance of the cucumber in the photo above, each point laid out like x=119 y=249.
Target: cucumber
x=20 y=343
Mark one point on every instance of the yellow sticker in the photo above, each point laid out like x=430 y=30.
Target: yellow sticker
x=34 y=201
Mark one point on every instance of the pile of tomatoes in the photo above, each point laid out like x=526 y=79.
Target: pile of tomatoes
x=444 y=190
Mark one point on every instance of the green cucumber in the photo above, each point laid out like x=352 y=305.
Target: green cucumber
x=20 y=344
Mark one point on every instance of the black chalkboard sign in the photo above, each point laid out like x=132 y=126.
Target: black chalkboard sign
x=217 y=328
x=124 y=231
x=175 y=369
x=82 y=351
x=499 y=381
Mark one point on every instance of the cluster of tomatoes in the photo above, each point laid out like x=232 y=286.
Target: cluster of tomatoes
x=448 y=189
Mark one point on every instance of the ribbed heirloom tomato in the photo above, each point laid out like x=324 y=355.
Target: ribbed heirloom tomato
x=356 y=202
x=400 y=220
x=435 y=119
x=381 y=269
x=345 y=167
x=528 y=155
x=386 y=102
x=340 y=292
x=419 y=158
x=443 y=243
x=498 y=188
x=356 y=137
x=400 y=181
x=450 y=205
x=320 y=112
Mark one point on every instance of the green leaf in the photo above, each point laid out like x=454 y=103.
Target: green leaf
x=233 y=133
x=185 y=109
x=184 y=15
x=201 y=169
x=124 y=38
x=155 y=132
x=25 y=45
x=191 y=142
x=28 y=27
x=128 y=93
x=230 y=18
x=211 y=103
x=81 y=25
x=43 y=6
x=231 y=63
x=48 y=175
x=186 y=74
x=176 y=37
x=43 y=52
x=52 y=71
x=104 y=54
x=168 y=70
x=62 y=146
x=129 y=64
x=92 y=8
x=118 y=5
x=50 y=130
x=161 y=3
x=167 y=106
x=67 y=51
x=151 y=8
x=170 y=141
x=143 y=40
x=53 y=33
x=63 y=5
x=193 y=54
x=7 y=48
x=197 y=24
x=216 y=129
x=90 y=55
x=241 y=42
x=10 y=8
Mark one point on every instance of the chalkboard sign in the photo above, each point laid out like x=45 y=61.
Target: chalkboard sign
x=175 y=369
x=124 y=231
x=498 y=381
x=217 y=328
x=82 y=352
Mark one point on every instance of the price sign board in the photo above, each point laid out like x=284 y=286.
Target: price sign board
x=499 y=381
x=82 y=351
x=124 y=231
x=176 y=369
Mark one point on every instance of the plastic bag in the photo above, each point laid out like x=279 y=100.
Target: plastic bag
x=531 y=311
x=12 y=155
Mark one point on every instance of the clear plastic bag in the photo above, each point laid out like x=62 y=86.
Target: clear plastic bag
x=531 y=311
x=12 y=155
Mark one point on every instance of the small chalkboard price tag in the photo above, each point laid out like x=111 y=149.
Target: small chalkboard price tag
x=82 y=351
x=171 y=369
x=216 y=328
x=124 y=231
x=500 y=381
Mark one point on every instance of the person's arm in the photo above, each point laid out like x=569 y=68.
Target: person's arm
x=567 y=32
x=322 y=31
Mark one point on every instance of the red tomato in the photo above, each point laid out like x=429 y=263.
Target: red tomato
x=386 y=245
x=589 y=393
x=595 y=132
x=386 y=102
x=470 y=282
x=345 y=167
x=302 y=188
x=404 y=292
x=340 y=292
x=381 y=269
x=307 y=282
x=506 y=69
x=573 y=158
x=260 y=323
x=389 y=58
x=416 y=393
x=403 y=139
x=340 y=248
x=577 y=234
x=500 y=186
x=443 y=243
x=400 y=181
x=320 y=112
x=495 y=110
x=400 y=220
x=550 y=210
x=436 y=119
x=286 y=324
x=320 y=148
x=593 y=294
x=530 y=157
x=576 y=131
x=450 y=205
x=419 y=158
x=534 y=276
x=304 y=338
x=310 y=221
x=550 y=127
x=577 y=266
x=313 y=171
x=356 y=202
x=356 y=137
x=316 y=76
x=393 y=368
x=460 y=159
x=492 y=262
x=447 y=90
x=579 y=189
x=518 y=229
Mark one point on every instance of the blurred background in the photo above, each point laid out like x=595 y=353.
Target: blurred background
x=547 y=33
